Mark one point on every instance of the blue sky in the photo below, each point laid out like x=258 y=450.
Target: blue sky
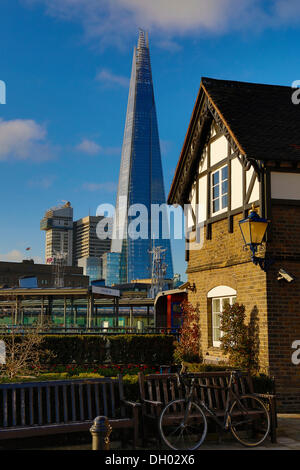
x=66 y=65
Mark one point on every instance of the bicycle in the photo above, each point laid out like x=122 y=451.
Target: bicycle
x=183 y=422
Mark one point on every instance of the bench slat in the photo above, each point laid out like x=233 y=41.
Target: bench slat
x=89 y=401
x=48 y=400
x=14 y=407
x=56 y=404
x=81 y=408
x=113 y=408
x=31 y=411
x=104 y=399
x=5 y=409
x=65 y=403
x=40 y=409
x=73 y=402
x=96 y=390
x=23 y=417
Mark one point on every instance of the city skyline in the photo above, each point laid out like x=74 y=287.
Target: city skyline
x=67 y=81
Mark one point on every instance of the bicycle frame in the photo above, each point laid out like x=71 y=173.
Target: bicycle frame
x=230 y=393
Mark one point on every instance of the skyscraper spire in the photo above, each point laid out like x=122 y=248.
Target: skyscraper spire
x=141 y=177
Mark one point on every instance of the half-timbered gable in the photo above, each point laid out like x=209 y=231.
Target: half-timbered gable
x=243 y=147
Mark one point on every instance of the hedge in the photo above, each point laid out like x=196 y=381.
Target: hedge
x=120 y=349
x=141 y=349
x=76 y=349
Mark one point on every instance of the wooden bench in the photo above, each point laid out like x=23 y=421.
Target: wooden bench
x=42 y=408
x=156 y=390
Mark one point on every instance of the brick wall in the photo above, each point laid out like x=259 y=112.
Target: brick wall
x=284 y=303
x=276 y=305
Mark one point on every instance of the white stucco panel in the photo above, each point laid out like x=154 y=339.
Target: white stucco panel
x=255 y=192
x=285 y=185
x=218 y=150
x=202 y=199
x=249 y=174
x=236 y=184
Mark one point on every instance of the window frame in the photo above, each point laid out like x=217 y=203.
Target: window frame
x=232 y=300
x=219 y=184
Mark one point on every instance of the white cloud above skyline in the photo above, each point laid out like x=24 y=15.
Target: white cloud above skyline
x=24 y=139
x=109 y=187
x=17 y=256
x=90 y=147
x=44 y=182
x=110 y=21
x=109 y=79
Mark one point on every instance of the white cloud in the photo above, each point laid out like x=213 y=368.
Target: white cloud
x=44 y=182
x=23 y=139
x=17 y=256
x=90 y=147
x=108 y=78
x=110 y=21
x=109 y=187
x=169 y=45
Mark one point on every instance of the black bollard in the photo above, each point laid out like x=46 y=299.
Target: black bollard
x=100 y=430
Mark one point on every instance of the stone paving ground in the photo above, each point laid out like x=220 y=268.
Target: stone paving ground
x=288 y=438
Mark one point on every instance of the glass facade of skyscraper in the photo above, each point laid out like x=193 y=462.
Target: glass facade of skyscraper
x=141 y=176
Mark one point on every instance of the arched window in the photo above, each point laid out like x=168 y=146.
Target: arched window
x=219 y=297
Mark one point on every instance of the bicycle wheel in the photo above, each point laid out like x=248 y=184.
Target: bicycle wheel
x=182 y=425
x=249 y=420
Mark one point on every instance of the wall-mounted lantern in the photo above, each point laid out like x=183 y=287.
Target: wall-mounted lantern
x=253 y=230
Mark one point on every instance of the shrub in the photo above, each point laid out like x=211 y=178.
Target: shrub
x=239 y=341
x=187 y=349
x=24 y=352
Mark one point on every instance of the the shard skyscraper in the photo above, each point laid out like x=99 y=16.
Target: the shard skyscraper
x=141 y=176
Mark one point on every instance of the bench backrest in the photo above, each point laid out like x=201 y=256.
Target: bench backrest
x=42 y=403
x=164 y=387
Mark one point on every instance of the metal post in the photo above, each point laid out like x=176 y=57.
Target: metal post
x=91 y=310
x=117 y=312
x=87 y=323
x=148 y=316
x=100 y=431
x=131 y=316
x=42 y=311
x=16 y=310
x=65 y=312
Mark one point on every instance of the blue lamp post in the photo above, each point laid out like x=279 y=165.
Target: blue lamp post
x=253 y=230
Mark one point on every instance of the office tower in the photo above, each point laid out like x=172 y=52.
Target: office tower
x=87 y=244
x=141 y=177
x=92 y=267
x=58 y=224
x=112 y=269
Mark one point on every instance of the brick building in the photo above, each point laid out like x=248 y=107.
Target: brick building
x=243 y=147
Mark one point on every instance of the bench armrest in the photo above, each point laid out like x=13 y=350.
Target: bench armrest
x=269 y=396
x=133 y=404
x=152 y=402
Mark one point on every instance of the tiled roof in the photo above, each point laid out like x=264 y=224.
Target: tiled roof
x=263 y=118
